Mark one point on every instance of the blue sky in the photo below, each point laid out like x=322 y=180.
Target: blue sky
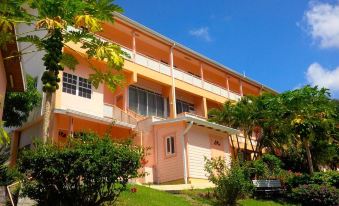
x=283 y=44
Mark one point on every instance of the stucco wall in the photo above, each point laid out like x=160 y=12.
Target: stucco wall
x=93 y=106
x=3 y=84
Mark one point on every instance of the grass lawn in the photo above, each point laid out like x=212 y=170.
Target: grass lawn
x=148 y=197
x=252 y=202
x=145 y=196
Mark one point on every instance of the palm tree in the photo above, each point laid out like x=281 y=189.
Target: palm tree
x=240 y=115
x=55 y=18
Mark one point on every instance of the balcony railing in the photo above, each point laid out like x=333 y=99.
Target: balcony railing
x=115 y=113
x=179 y=74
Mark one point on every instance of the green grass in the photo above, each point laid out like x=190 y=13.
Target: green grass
x=146 y=196
x=252 y=202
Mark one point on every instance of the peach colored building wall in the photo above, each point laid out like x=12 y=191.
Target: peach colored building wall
x=168 y=168
x=3 y=84
x=200 y=145
x=93 y=106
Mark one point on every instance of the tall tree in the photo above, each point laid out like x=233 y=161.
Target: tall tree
x=240 y=115
x=58 y=18
x=311 y=114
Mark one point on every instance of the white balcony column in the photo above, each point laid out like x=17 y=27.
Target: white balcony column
x=228 y=86
x=71 y=126
x=173 y=105
x=134 y=48
x=261 y=89
x=241 y=91
x=126 y=98
x=202 y=75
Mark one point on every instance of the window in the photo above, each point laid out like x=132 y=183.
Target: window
x=184 y=106
x=69 y=83
x=170 y=147
x=146 y=102
x=85 y=88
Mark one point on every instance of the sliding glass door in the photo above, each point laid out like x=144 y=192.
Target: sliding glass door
x=146 y=102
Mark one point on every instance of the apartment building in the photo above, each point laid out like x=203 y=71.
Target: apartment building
x=163 y=104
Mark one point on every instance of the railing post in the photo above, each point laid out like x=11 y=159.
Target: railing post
x=241 y=92
x=134 y=49
x=228 y=86
x=202 y=75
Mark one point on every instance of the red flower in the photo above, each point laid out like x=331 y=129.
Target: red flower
x=143 y=161
x=133 y=189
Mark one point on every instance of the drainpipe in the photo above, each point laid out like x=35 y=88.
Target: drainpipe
x=174 y=106
x=184 y=152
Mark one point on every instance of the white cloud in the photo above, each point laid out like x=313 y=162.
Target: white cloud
x=202 y=33
x=318 y=75
x=323 y=23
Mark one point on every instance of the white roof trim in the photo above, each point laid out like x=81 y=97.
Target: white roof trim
x=199 y=121
x=94 y=118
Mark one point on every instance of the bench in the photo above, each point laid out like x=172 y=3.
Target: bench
x=267 y=186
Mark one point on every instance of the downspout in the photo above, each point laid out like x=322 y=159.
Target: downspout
x=173 y=82
x=184 y=152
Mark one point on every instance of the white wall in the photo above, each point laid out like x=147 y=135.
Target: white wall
x=32 y=63
x=29 y=135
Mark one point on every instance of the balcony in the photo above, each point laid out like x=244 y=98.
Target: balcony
x=179 y=74
x=115 y=113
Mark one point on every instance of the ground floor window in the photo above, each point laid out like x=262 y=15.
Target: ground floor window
x=146 y=102
x=170 y=147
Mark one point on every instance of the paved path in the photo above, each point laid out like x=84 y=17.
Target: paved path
x=178 y=187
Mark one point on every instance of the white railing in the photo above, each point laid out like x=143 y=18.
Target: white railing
x=152 y=64
x=115 y=113
x=158 y=66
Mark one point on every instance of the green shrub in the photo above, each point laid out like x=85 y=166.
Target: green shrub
x=314 y=194
x=87 y=171
x=7 y=174
x=267 y=167
x=231 y=183
x=330 y=178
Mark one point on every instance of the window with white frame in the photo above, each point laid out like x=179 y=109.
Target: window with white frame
x=85 y=88
x=69 y=83
x=76 y=85
x=170 y=145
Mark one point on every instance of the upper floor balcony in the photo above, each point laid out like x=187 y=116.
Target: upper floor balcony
x=179 y=74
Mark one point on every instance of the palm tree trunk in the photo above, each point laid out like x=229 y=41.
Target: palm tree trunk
x=309 y=156
x=47 y=117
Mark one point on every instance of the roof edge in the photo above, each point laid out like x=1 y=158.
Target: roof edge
x=134 y=23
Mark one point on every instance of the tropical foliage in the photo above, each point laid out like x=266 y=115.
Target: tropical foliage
x=91 y=170
x=64 y=22
x=231 y=181
x=19 y=104
x=4 y=138
x=314 y=194
x=304 y=119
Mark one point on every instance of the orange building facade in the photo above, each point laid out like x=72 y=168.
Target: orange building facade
x=163 y=104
